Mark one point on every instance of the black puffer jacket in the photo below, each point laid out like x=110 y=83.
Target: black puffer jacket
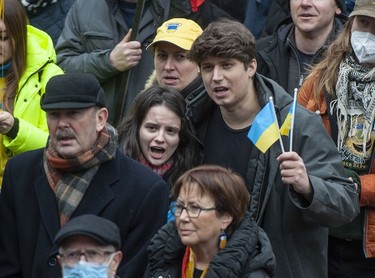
x=248 y=253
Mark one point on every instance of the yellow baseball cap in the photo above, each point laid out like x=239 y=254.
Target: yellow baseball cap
x=179 y=31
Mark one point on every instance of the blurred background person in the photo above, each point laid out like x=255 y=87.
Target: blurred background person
x=99 y=42
x=213 y=234
x=341 y=88
x=48 y=15
x=299 y=40
x=89 y=247
x=27 y=60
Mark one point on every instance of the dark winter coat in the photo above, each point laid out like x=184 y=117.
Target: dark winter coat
x=122 y=190
x=297 y=229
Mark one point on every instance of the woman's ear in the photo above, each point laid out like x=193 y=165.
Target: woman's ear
x=226 y=220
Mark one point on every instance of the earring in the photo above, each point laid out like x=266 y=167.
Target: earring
x=223 y=240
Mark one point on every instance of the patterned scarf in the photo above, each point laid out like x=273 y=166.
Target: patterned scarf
x=355 y=92
x=159 y=170
x=69 y=178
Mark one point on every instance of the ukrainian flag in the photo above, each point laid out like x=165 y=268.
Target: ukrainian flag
x=285 y=128
x=264 y=131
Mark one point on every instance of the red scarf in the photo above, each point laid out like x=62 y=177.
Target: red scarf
x=195 y=4
x=159 y=170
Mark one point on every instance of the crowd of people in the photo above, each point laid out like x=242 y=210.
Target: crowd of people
x=126 y=144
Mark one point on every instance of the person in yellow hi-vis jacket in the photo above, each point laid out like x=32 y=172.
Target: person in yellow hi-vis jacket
x=27 y=61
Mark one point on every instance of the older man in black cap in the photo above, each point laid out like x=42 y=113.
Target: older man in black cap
x=89 y=247
x=79 y=172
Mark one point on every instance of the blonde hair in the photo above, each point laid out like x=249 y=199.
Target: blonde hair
x=326 y=71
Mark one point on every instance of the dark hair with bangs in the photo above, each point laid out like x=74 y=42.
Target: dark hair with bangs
x=224 y=38
x=186 y=155
x=224 y=186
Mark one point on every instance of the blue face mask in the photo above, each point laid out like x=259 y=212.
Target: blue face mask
x=85 y=270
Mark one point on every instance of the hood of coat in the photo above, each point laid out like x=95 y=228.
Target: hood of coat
x=40 y=51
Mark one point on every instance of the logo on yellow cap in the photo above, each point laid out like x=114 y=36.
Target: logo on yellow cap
x=172 y=27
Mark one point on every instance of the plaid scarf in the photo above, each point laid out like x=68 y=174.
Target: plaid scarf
x=159 y=170
x=69 y=178
x=355 y=92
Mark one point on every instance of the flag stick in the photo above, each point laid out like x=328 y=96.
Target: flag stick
x=124 y=83
x=277 y=124
x=292 y=121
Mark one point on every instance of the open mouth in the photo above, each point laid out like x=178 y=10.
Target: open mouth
x=220 y=91
x=157 y=152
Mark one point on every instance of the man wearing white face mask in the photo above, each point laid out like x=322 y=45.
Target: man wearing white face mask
x=342 y=89
x=89 y=247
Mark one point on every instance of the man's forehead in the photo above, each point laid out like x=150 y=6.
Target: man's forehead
x=79 y=240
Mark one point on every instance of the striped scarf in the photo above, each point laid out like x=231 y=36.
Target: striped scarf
x=70 y=178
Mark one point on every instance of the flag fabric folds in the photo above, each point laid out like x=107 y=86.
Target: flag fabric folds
x=264 y=131
x=285 y=128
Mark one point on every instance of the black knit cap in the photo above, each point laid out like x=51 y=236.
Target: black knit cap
x=96 y=227
x=72 y=91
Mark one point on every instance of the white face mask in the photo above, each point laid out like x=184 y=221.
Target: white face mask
x=363 y=44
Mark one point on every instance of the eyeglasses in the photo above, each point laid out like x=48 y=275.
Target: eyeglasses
x=91 y=256
x=192 y=210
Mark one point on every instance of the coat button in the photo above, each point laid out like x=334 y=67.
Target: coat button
x=52 y=261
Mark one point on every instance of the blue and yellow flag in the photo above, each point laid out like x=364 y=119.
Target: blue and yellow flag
x=264 y=130
x=285 y=128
